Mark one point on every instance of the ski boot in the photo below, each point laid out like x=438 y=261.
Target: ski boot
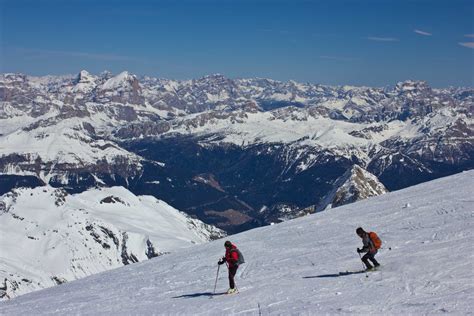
x=232 y=291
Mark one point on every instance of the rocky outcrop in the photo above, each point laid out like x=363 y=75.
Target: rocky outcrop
x=354 y=185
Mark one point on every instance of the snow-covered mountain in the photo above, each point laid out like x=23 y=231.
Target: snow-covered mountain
x=49 y=237
x=293 y=267
x=242 y=151
x=354 y=185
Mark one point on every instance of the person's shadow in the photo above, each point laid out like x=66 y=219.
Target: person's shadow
x=334 y=275
x=209 y=294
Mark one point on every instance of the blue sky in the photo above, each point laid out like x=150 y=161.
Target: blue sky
x=373 y=43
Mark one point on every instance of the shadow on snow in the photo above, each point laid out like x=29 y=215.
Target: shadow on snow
x=209 y=294
x=334 y=275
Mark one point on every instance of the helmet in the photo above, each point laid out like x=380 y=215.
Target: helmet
x=227 y=244
x=359 y=231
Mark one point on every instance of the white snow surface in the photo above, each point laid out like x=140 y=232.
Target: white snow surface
x=65 y=142
x=46 y=233
x=118 y=81
x=292 y=268
x=264 y=127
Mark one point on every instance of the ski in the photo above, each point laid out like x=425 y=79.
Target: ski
x=357 y=271
x=222 y=294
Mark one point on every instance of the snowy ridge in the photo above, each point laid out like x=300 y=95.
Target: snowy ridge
x=50 y=237
x=63 y=146
x=354 y=185
x=118 y=81
x=292 y=267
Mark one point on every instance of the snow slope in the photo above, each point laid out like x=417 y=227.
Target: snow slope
x=49 y=237
x=354 y=185
x=267 y=127
x=292 y=267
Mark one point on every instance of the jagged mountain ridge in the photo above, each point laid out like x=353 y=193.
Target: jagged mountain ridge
x=354 y=185
x=280 y=145
x=51 y=237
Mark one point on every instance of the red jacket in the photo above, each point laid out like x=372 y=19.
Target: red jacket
x=231 y=256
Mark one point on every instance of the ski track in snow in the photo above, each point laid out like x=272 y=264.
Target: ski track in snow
x=292 y=268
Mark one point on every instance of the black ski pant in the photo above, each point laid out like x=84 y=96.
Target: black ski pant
x=232 y=272
x=370 y=256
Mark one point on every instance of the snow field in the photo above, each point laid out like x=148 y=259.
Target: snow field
x=45 y=235
x=292 y=268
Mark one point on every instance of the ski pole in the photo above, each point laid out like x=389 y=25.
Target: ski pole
x=217 y=275
x=364 y=268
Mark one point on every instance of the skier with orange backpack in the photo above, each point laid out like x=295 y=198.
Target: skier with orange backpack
x=371 y=244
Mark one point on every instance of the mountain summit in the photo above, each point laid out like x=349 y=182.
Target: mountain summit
x=354 y=185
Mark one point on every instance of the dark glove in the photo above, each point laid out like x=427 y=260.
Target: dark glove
x=358 y=250
x=221 y=261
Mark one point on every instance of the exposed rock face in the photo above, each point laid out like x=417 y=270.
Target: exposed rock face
x=354 y=185
x=123 y=88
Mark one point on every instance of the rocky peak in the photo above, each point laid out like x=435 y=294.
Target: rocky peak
x=354 y=185
x=84 y=83
x=214 y=83
x=84 y=77
x=216 y=76
x=122 y=88
x=412 y=87
x=12 y=77
x=121 y=80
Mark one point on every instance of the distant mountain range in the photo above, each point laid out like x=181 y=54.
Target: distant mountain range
x=235 y=153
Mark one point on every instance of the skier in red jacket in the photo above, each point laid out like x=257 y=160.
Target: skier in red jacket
x=232 y=259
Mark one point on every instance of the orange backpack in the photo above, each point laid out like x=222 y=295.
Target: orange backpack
x=375 y=240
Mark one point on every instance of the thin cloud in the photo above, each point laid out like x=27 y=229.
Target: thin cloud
x=422 y=32
x=467 y=44
x=338 y=58
x=41 y=53
x=382 y=39
x=469 y=35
